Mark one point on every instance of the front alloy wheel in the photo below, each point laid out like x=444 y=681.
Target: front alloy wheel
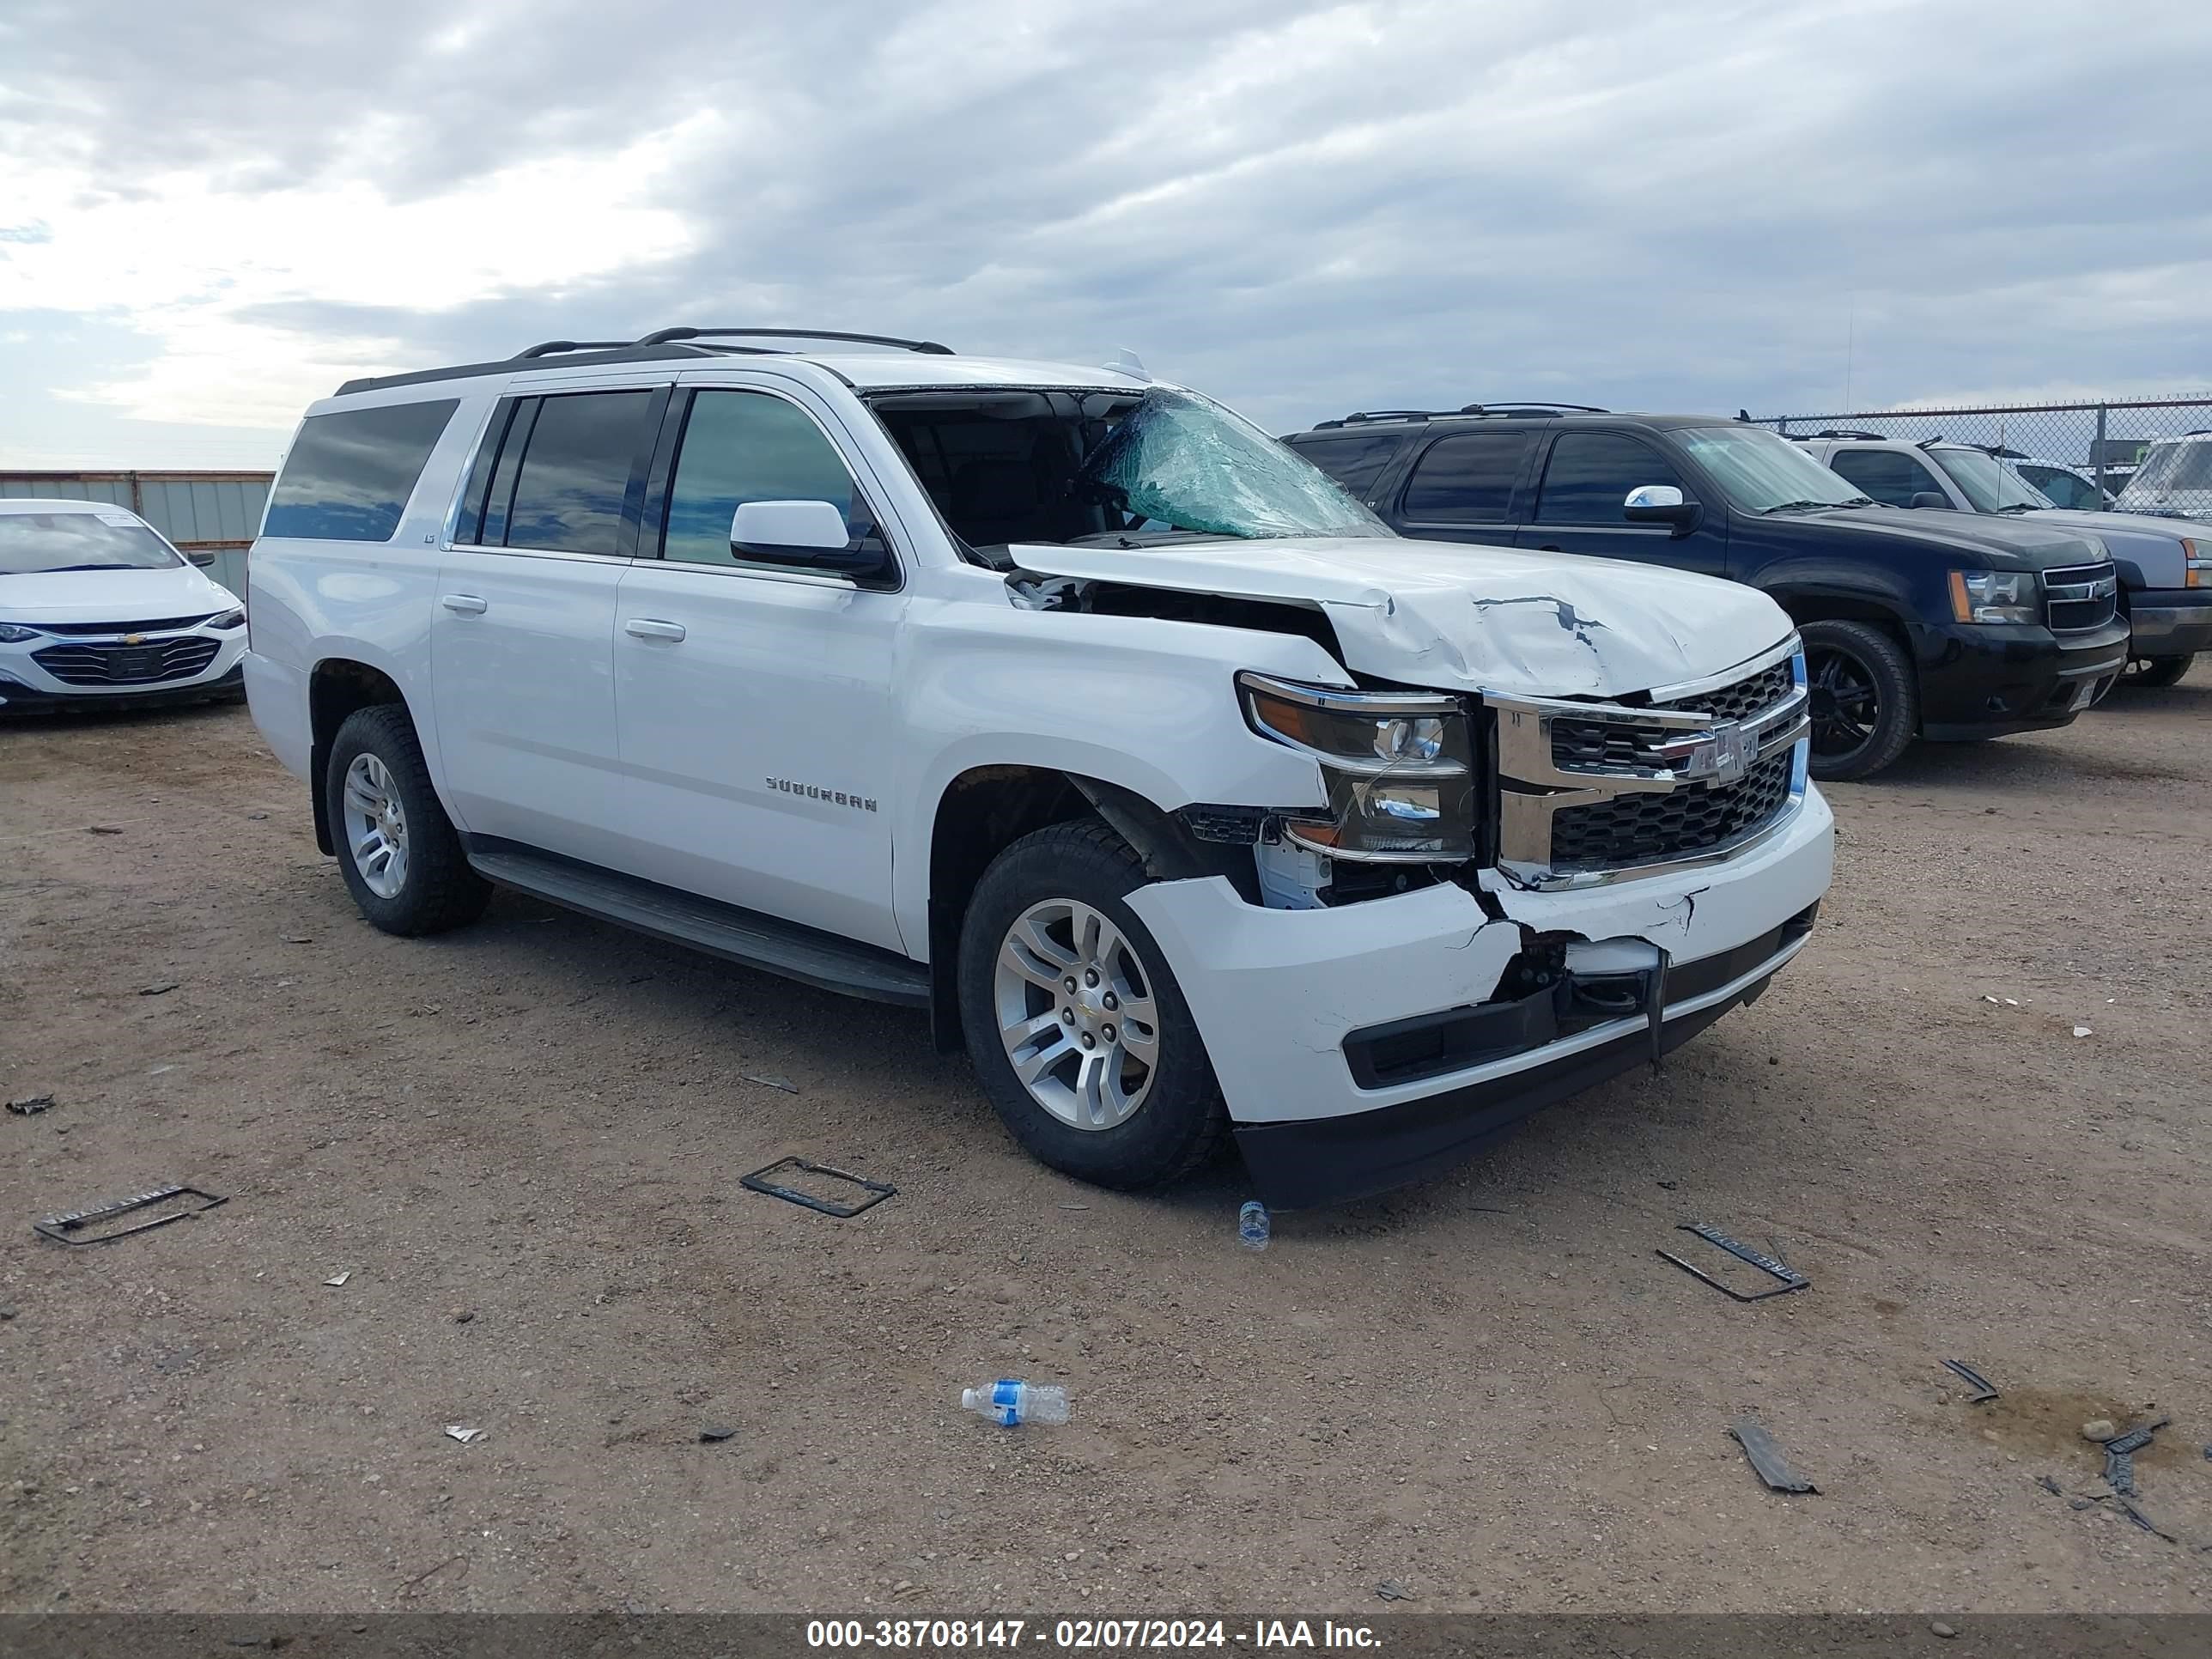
x=1075 y=1014
x=1079 y=1034
x=1846 y=704
x=1864 y=699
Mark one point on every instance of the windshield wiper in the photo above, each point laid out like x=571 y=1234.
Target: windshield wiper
x=1798 y=506
x=2019 y=506
x=56 y=569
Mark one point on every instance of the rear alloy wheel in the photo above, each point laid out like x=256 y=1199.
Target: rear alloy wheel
x=1864 y=704
x=2157 y=672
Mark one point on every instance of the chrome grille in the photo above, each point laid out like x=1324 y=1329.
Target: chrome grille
x=1591 y=792
x=150 y=664
x=2081 y=596
x=1645 y=828
x=1589 y=744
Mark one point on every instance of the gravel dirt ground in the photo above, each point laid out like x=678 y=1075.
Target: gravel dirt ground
x=522 y=1143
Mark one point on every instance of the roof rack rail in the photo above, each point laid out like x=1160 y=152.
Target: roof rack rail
x=1853 y=432
x=671 y=336
x=1361 y=417
x=1506 y=404
x=554 y=348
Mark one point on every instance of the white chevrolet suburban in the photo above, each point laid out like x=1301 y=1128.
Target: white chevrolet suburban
x=1059 y=702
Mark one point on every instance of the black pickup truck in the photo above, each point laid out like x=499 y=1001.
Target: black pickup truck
x=1949 y=628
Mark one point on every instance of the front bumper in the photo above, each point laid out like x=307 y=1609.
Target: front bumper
x=25 y=683
x=1979 y=680
x=2170 y=622
x=1278 y=993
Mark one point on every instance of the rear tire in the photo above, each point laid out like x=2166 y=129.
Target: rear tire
x=398 y=851
x=1137 y=1105
x=1866 y=700
x=2156 y=672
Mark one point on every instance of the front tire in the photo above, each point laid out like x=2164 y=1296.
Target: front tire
x=2158 y=672
x=1079 y=1034
x=1865 y=701
x=398 y=851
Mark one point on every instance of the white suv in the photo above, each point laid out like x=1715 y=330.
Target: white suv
x=98 y=610
x=1058 y=702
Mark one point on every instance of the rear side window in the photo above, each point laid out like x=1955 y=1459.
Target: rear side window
x=350 y=472
x=1355 y=462
x=1466 y=479
x=1888 y=475
x=1591 y=474
x=573 y=473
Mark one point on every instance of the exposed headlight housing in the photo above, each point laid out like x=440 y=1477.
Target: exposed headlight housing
x=1398 y=766
x=233 y=618
x=15 y=633
x=1995 y=596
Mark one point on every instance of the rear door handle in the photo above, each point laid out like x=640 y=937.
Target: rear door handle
x=463 y=604
x=650 y=628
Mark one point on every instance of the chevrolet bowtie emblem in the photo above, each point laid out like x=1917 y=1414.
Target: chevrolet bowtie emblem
x=134 y=639
x=1721 y=753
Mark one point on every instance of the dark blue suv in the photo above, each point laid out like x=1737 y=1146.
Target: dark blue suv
x=1946 y=626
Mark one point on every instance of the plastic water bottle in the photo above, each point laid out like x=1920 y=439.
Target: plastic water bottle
x=1009 y=1401
x=1252 y=1224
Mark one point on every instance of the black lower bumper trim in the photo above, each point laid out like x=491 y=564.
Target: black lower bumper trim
x=1333 y=1160
x=19 y=699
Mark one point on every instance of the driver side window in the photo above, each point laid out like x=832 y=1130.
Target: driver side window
x=1589 y=475
x=742 y=447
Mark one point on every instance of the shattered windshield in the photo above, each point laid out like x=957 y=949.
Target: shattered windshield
x=1178 y=460
x=1007 y=465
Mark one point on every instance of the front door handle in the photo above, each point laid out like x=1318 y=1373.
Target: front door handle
x=650 y=628
x=463 y=604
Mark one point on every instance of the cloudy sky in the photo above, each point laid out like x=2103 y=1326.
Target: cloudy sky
x=210 y=214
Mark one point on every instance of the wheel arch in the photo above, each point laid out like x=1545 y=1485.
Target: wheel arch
x=986 y=809
x=337 y=687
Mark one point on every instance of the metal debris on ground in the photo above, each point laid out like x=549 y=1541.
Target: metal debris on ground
x=757 y=1181
x=1983 y=1389
x=2049 y=1483
x=2120 y=1472
x=2135 y=1513
x=715 y=1436
x=63 y=1229
x=1391 y=1590
x=161 y=989
x=782 y=1082
x=32 y=1105
x=101 y=829
x=1767 y=1457
x=1790 y=1278
x=2137 y=1437
x=455 y=1431
x=336 y=1281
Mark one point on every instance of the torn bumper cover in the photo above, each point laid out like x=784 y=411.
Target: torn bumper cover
x=1366 y=1046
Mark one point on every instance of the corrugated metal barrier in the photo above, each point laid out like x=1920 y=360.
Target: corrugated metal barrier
x=211 y=516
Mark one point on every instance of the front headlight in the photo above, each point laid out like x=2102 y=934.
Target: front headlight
x=2197 y=564
x=233 y=617
x=1398 y=768
x=14 y=634
x=1995 y=596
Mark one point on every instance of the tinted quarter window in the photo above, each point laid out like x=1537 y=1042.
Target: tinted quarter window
x=1354 y=462
x=1466 y=479
x=742 y=447
x=574 y=472
x=350 y=472
x=1591 y=474
x=1888 y=475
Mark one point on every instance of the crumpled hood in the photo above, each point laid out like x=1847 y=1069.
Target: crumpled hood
x=1465 y=618
x=116 y=596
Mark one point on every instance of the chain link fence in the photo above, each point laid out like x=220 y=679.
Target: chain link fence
x=2103 y=442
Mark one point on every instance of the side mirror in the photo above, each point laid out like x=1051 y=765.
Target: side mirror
x=1659 y=504
x=811 y=534
x=1930 y=498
